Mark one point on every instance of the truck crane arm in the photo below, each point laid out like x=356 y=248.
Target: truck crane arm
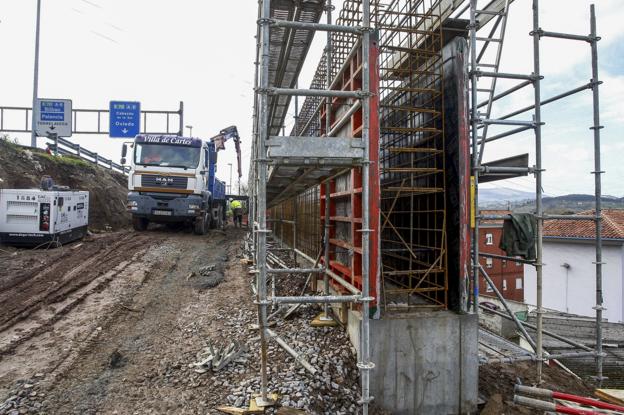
x=222 y=137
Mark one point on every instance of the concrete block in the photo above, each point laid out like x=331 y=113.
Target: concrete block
x=425 y=362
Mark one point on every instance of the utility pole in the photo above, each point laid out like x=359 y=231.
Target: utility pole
x=33 y=136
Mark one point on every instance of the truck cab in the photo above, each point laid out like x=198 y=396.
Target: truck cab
x=172 y=179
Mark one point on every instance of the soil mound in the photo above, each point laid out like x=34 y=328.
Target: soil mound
x=23 y=167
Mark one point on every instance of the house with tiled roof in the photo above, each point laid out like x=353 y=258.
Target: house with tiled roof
x=569 y=256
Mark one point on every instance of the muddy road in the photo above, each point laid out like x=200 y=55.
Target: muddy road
x=115 y=323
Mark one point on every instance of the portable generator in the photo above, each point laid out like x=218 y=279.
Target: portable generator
x=31 y=217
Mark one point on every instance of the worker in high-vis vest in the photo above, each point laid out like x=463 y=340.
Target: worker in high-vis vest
x=237 y=212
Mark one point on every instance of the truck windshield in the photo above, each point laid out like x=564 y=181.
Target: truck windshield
x=166 y=155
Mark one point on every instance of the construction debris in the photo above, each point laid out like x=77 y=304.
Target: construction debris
x=614 y=396
x=232 y=410
x=564 y=402
x=216 y=358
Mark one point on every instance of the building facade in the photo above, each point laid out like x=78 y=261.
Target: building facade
x=569 y=279
x=508 y=276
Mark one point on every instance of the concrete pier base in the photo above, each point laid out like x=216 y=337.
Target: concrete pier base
x=425 y=362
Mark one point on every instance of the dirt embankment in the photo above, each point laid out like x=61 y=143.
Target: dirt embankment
x=22 y=168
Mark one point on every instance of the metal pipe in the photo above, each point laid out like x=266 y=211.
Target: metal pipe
x=507 y=133
x=328 y=121
x=316 y=26
x=508 y=122
x=365 y=365
x=549 y=333
x=333 y=275
x=317 y=299
x=294 y=270
x=555 y=356
x=501 y=169
x=474 y=122
x=538 y=186
x=298 y=358
x=504 y=302
x=261 y=195
x=33 y=135
x=507 y=258
x=315 y=92
x=569 y=217
x=568 y=36
x=345 y=118
x=326 y=247
x=549 y=100
x=598 y=190
x=547 y=393
x=502 y=75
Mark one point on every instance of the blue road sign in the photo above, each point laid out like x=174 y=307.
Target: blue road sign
x=125 y=119
x=53 y=116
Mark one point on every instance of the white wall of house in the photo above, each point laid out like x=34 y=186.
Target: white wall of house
x=573 y=289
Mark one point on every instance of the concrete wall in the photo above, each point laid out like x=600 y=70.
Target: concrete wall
x=425 y=363
x=573 y=289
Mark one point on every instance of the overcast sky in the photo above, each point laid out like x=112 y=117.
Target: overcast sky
x=161 y=52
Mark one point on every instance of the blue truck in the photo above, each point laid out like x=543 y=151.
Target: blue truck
x=172 y=179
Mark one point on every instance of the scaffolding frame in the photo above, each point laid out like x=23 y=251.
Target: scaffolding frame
x=270 y=153
x=479 y=137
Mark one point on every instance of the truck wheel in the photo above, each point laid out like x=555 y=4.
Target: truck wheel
x=201 y=224
x=139 y=224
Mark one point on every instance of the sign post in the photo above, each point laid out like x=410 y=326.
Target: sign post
x=125 y=119
x=53 y=116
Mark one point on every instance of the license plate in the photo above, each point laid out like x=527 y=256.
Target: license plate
x=162 y=212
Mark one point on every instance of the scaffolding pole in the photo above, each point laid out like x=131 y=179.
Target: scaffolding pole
x=598 y=192
x=536 y=123
x=269 y=91
x=365 y=365
x=539 y=211
x=263 y=134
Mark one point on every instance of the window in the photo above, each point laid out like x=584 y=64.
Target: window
x=504 y=263
x=166 y=155
x=488 y=262
x=504 y=285
x=489 y=239
x=519 y=283
x=488 y=288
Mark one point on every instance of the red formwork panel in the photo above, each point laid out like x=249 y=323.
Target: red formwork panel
x=345 y=193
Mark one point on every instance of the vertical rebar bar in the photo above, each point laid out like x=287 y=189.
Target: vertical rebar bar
x=539 y=213
x=326 y=248
x=296 y=117
x=474 y=122
x=262 y=179
x=598 y=192
x=365 y=364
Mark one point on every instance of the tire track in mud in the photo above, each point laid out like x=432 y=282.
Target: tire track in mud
x=63 y=278
x=76 y=280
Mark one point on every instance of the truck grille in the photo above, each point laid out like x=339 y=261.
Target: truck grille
x=168 y=182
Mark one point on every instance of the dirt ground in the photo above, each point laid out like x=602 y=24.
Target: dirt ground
x=113 y=325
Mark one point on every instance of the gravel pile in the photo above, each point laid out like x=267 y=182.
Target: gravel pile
x=25 y=398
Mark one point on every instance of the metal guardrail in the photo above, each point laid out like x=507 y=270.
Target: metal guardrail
x=67 y=148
